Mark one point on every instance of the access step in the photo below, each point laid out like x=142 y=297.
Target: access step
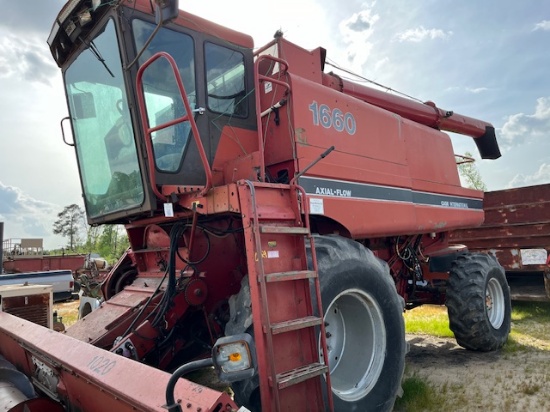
x=295 y=324
x=292 y=377
x=290 y=230
x=292 y=275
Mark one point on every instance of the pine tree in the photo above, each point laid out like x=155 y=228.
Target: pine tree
x=69 y=224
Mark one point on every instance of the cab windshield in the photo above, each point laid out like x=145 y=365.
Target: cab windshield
x=103 y=131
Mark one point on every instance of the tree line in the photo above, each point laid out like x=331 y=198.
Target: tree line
x=109 y=241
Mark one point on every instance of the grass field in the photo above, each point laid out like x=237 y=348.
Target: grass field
x=67 y=311
x=443 y=376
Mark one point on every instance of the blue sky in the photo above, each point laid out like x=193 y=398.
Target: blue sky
x=485 y=59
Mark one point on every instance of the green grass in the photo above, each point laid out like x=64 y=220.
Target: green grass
x=538 y=311
x=530 y=331
x=68 y=311
x=514 y=344
x=530 y=324
x=419 y=396
x=530 y=327
x=428 y=319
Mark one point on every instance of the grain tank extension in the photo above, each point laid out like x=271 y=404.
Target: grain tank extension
x=280 y=218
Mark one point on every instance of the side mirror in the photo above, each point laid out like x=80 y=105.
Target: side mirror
x=166 y=10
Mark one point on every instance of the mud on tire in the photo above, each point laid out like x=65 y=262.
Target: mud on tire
x=478 y=302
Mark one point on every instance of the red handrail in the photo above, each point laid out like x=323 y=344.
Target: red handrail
x=187 y=117
x=257 y=79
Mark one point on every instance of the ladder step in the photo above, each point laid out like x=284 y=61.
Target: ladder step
x=290 y=230
x=295 y=324
x=286 y=379
x=293 y=275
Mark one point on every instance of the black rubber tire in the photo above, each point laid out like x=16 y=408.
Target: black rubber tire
x=247 y=394
x=347 y=269
x=479 y=320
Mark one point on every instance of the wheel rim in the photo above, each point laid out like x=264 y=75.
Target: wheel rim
x=356 y=343
x=494 y=303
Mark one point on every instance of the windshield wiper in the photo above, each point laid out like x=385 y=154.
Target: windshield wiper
x=93 y=48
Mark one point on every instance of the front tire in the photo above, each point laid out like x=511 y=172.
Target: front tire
x=478 y=302
x=364 y=323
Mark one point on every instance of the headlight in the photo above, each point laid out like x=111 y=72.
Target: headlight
x=235 y=357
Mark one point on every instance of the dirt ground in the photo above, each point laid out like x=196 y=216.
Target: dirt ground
x=494 y=381
x=68 y=311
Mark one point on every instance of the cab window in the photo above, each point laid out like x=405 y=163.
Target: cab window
x=226 y=92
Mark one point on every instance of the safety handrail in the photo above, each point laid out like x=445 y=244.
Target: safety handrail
x=257 y=79
x=187 y=117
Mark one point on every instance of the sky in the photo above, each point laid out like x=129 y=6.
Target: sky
x=488 y=60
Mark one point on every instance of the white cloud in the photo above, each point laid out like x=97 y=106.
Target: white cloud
x=307 y=32
x=452 y=89
x=361 y=21
x=421 y=33
x=22 y=17
x=381 y=64
x=476 y=90
x=543 y=25
x=520 y=128
x=541 y=176
x=25 y=60
x=25 y=216
x=356 y=31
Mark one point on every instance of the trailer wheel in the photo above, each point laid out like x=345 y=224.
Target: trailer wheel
x=364 y=323
x=478 y=302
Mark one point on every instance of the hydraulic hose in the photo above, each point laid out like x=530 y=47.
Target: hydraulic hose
x=171 y=404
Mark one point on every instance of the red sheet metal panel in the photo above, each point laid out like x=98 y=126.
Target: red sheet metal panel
x=381 y=178
x=93 y=379
x=21 y=264
x=516 y=228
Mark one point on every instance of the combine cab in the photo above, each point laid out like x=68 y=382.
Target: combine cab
x=280 y=218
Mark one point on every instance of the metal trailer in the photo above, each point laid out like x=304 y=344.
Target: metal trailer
x=516 y=231
x=280 y=217
x=26 y=263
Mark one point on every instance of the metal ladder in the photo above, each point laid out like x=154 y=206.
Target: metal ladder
x=286 y=343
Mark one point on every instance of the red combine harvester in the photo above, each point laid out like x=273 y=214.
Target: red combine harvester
x=280 y=219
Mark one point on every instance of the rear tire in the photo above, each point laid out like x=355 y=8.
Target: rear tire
x=366 y=334
x=478 y=302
